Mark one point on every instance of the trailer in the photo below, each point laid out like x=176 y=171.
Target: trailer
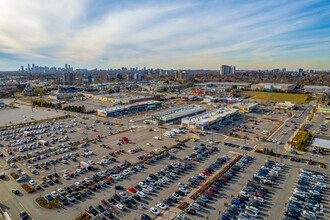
x=85 y=165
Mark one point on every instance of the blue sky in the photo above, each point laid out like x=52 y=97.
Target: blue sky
x=165 y=34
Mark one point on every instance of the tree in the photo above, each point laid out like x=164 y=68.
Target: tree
x=271 y=152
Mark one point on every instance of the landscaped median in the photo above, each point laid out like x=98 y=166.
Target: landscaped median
x=302 y=140
x=52 y=204
x=216 y=176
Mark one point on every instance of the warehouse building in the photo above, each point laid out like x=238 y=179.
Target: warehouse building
x=129 y=109
x=276 y=87
x=208 y=119
x=244 y=107
x=175 y=115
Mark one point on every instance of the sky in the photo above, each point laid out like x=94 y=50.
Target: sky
x=165 y=34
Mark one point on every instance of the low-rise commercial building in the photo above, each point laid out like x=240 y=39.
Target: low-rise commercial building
x=129 y=109
x=276 y=87
x=224 y=84
x=244 y=107
x=177 y=114
x=285 y=105
x=210 y=99
x=208 y=119
x=317 y=89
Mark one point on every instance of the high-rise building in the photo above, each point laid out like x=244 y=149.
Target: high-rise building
x=29 y=69
x=89 y=79
x=225 y=70
x=284 y=70
x=67 y=78
x=137 y=76
x=22 y=67
x=180 y=75
x=130 y=77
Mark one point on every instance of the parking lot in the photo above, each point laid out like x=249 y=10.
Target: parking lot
x=128 y=168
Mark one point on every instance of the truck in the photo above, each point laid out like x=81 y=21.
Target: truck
x=85 y=165
x=43 y=142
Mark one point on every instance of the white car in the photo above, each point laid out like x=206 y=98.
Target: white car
x=161 y=205
x=195 y=205
x=177 y=196
x=182 y=217
x=61 y=191
x=150 y=189
x=66 y=177
x=145 y=190
x=123 y=195
x=77 y=184
x=277 y=168
x=153 y=210
x=32 y=182
x=184 y=190
x=120 y=207
x=65 y=171
x=141 y=194
x=55 y=194
x=143 y=185
x=156 y=138
x=182 y=185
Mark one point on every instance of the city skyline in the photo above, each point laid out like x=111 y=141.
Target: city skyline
x=168 y=35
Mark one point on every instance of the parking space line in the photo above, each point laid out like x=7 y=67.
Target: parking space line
x=26 y=210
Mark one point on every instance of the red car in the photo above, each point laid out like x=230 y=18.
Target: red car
x=110 y=179
x=258 y=194
x=132 y=189
x=98 y=136
x=195 y=159
x=193 y=154
x=209 y=192
x=107 y=147
x=224 y=179
x=311 y=162
x=190 y=131
x=134 y=151
x=70 y=174
x=205 y=173
x=151 y=152
x=59 y=159
x=117 y=152
x=76 y=154
x=213 y=189
x=197 y=132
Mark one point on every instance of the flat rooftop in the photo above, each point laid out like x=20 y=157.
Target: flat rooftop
x=214 y=115
x=321 y=141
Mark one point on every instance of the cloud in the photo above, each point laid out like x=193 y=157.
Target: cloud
x=169 y=34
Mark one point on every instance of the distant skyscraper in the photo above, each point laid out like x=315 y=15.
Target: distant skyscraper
x=89 y=79
x=29 y=69
x=225 y=70
x=180 y=75
x=137 y=76
x=284 y=70
x=67 y=78
x=22 y=67
x=66 y=66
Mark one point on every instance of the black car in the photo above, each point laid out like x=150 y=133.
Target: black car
x=117 y=197
x=100 y=208
x=24 y=215
x=173 y=199
x=64 y=200
x=136 y=197
x=168 y=202
x=92 y=210
x=190 y=211
x=127 y=203
x=118 y=187
x=112 y=201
